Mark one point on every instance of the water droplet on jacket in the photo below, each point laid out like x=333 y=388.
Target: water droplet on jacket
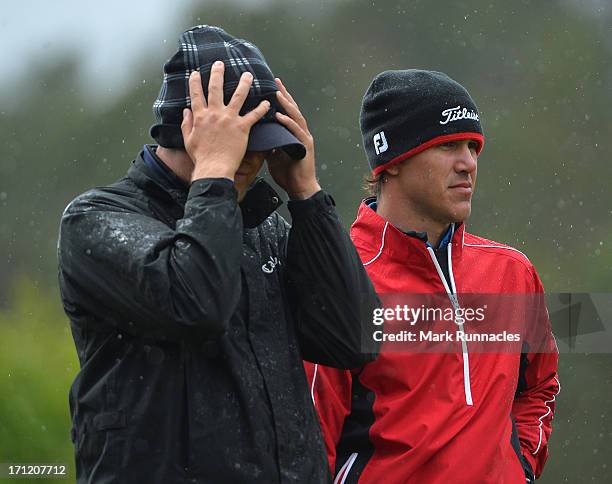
x=155 y=355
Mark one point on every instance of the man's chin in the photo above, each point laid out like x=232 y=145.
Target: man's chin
x=241 y=185
x=460 y=214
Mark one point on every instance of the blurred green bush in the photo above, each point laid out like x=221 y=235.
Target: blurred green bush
x=37 y=365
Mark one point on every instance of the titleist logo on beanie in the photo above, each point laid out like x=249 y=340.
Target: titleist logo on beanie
x=453 y=114
x=405 y=112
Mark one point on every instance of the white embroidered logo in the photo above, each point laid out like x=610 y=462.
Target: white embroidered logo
x=456 y=113
x=269 y=266
x=380 y=143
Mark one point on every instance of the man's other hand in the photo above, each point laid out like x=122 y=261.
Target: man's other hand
x=296 y=177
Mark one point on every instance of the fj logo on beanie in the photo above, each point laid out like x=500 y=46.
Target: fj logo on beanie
x=380 y=143
x=415 y=109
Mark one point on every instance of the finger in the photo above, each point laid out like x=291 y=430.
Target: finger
x=283 y=89
x=242 y=91
x=294 y=127
x=256 y=114
x=292 y=110
x=187 y=124
x=215 y=84
x=196 y=93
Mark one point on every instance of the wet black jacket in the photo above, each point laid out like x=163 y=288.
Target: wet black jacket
x=191 y=315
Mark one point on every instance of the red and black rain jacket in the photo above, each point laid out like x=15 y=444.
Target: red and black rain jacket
x=431 y=418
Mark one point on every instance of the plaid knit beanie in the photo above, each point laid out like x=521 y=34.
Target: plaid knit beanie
x=405 y=112
x=199 y=48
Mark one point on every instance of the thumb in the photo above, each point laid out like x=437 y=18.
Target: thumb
x=187 y=124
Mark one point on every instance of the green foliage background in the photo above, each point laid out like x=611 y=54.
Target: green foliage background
x=37 y=365
x=540 y=71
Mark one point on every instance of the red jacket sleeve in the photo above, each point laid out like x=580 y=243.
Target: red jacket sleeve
x=330 y=389
x=534 y=407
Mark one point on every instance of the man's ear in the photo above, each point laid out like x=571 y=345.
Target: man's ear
x=393 y=170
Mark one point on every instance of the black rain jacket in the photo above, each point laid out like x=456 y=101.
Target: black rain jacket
x=191 y=315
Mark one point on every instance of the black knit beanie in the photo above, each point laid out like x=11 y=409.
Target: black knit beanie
x=199 y=48
x=406 y=112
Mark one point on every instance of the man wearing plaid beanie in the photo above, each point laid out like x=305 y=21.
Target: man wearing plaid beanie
x=464 y=414
x=192 y=301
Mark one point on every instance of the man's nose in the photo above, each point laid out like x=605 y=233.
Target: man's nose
x=466 y=159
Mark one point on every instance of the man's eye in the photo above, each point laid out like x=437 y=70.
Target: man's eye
x=449 y=144
x=474 y=145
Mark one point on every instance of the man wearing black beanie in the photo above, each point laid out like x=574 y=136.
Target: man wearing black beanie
x=192 y=301
x=465 y=414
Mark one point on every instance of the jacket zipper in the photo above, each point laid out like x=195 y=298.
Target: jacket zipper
x=452 y=295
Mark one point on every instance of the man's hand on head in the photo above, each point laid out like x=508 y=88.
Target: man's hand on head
x=216 y=135
x=297 y=177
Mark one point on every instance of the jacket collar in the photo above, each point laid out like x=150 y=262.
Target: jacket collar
x=376 y=238
x=260 y=201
